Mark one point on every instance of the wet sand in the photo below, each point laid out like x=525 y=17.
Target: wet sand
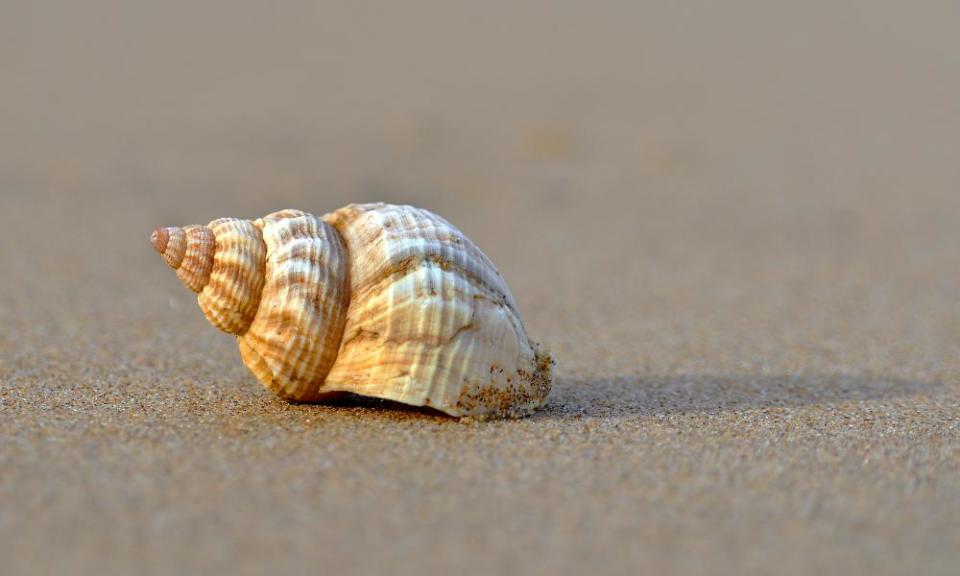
x=736 y=229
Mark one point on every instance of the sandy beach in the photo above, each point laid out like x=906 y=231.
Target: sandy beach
x=735 y=227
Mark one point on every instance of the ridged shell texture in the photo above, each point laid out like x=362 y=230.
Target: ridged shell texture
x=379 y=300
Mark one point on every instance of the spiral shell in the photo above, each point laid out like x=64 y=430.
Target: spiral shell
x=379 y=300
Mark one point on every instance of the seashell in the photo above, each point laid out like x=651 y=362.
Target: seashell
x=379 y=300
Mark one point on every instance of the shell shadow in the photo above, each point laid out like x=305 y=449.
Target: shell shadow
x=356 y=403
x=708 y=393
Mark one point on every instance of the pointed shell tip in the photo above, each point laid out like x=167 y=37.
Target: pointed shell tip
x=159 y=239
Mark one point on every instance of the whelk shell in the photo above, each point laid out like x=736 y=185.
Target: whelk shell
x=379 y=300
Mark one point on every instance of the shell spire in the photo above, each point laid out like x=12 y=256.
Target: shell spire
x=386 y=301
x=187 y=250
x=223 y=262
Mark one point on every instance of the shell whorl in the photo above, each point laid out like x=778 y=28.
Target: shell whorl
x=187 y=250
x=231 y=299
x=278 y=283
x=431 y=320
x=293 y=341
x=223 y=263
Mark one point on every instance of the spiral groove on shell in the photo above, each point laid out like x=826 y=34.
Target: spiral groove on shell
x=232 y=296
x=379 y=300
x=293 y=340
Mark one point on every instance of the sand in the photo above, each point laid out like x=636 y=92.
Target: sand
x=734 y=226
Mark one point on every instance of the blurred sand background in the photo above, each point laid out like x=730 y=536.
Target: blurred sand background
x=736 y=225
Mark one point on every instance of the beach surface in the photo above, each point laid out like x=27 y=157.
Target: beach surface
x=736 y=226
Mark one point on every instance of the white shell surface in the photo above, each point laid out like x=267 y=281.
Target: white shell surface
x=430 y=322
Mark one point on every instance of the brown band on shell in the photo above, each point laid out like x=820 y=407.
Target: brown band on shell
x=159 y=239
x=194 y=269
x=232 y=296
x=171 y=243
x=294 y=339
x=187 y=250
